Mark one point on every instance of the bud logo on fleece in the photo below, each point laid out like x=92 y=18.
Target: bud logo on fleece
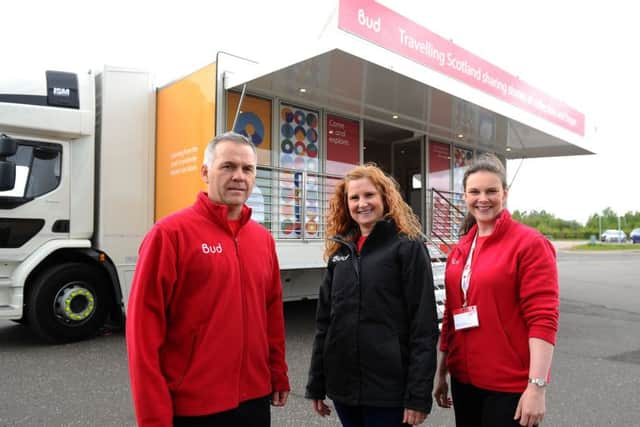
x=210 y=249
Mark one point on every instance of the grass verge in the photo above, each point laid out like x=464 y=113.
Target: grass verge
x=606 y=247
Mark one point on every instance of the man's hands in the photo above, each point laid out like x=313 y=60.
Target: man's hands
x=279 y=398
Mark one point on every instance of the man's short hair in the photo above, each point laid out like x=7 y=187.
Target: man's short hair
x=210 y=151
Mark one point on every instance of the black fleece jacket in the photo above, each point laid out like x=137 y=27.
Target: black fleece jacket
x=376 y=324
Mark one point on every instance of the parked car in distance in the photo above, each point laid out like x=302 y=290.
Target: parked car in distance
x=613 y=236
x=634 y=236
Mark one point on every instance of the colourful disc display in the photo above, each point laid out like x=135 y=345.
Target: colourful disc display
x=312 y=165
x=300 y=148
x=312 y=195
x=286 y=210
x=251 y=126
x=286 y=146
x=311 y=227
x=312 y=135
x=298 y=163
x=286 y=130
x=312 y=213
x=299 y=117
x=300 y=133
x=312 y=120
x=287 y=226
x=312 y=150
x=287 y=115
x=287 y=196
x=287 y=179
x=286 y=161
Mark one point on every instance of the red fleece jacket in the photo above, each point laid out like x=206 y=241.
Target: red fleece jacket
x=514 y=284
x=205 y=326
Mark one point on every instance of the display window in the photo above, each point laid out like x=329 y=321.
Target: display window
x=343 y=145
x=299 y=155
x=254 y=122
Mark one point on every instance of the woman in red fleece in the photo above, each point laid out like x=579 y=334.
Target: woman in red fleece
x=501 y=311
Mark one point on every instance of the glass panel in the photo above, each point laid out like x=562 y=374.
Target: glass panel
x=299 y=150
x=37 y=169
x=22 y=159
x=45 y=172
x=406 y=170
x=440 y=179
x=439 y=166
x=260 y=200
x=343 y=145
x=462 y=159
x=254 y=122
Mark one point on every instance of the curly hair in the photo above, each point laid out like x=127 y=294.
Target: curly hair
x=339 y=221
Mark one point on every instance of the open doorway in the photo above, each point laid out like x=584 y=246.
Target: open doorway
x=399 y=153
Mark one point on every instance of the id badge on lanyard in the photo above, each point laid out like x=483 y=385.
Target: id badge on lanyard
x=467 y=316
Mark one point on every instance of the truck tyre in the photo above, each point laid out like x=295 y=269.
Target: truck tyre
x=68 y=302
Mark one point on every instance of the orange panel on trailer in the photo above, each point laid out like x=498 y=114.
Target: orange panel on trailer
x=254 y=122
x=185 y=125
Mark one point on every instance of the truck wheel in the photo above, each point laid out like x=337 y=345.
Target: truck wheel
x=68 y=302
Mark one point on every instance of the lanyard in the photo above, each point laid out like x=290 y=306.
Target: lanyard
x=466 y=273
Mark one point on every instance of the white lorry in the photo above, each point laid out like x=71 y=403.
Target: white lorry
x=76 y=170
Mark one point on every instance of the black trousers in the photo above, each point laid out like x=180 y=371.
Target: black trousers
x=476 y=407
x=251 y=413
x=369 y=416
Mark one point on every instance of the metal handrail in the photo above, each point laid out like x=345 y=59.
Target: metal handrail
x=441 y=194
x=444 y=218
x=275 y=180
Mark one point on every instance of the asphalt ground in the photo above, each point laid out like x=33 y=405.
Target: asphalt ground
x=595 y=380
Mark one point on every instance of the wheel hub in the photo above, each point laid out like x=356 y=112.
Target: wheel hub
x=74 y=303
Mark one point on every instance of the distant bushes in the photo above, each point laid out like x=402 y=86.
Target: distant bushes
x=557 y=228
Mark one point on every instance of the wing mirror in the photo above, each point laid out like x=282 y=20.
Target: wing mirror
x=8 y=147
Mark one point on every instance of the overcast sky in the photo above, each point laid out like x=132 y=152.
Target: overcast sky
x=581 y=52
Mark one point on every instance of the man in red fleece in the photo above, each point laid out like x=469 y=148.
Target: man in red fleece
x=205 y=325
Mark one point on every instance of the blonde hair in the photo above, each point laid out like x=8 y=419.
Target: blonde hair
x=339 y=221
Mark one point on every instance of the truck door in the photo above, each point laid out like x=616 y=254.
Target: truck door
x=35 y=210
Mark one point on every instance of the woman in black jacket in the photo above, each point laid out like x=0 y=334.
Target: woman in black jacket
x=374 y=352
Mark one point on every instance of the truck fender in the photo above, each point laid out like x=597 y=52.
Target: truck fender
x=33 y=261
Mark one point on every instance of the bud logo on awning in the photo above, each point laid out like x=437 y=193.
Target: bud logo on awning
x=210 y=249
x=61 y=91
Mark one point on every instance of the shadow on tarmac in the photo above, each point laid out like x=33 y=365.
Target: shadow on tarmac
x=15 y=335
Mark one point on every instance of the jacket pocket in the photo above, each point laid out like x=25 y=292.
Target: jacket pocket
x=190 y=355
x=384 y=360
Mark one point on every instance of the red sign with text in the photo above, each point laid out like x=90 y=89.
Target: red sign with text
x=386 y=28
x=343 y=144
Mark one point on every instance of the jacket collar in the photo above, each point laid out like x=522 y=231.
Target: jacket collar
x=503 y=222
x=382 y=230
x=217 y=211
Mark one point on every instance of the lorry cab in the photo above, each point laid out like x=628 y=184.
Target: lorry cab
x=57 y=256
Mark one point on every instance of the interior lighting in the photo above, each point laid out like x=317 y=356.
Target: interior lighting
x=460 y=135
x=508 y=148
x=302 y=90
x=395 y=116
